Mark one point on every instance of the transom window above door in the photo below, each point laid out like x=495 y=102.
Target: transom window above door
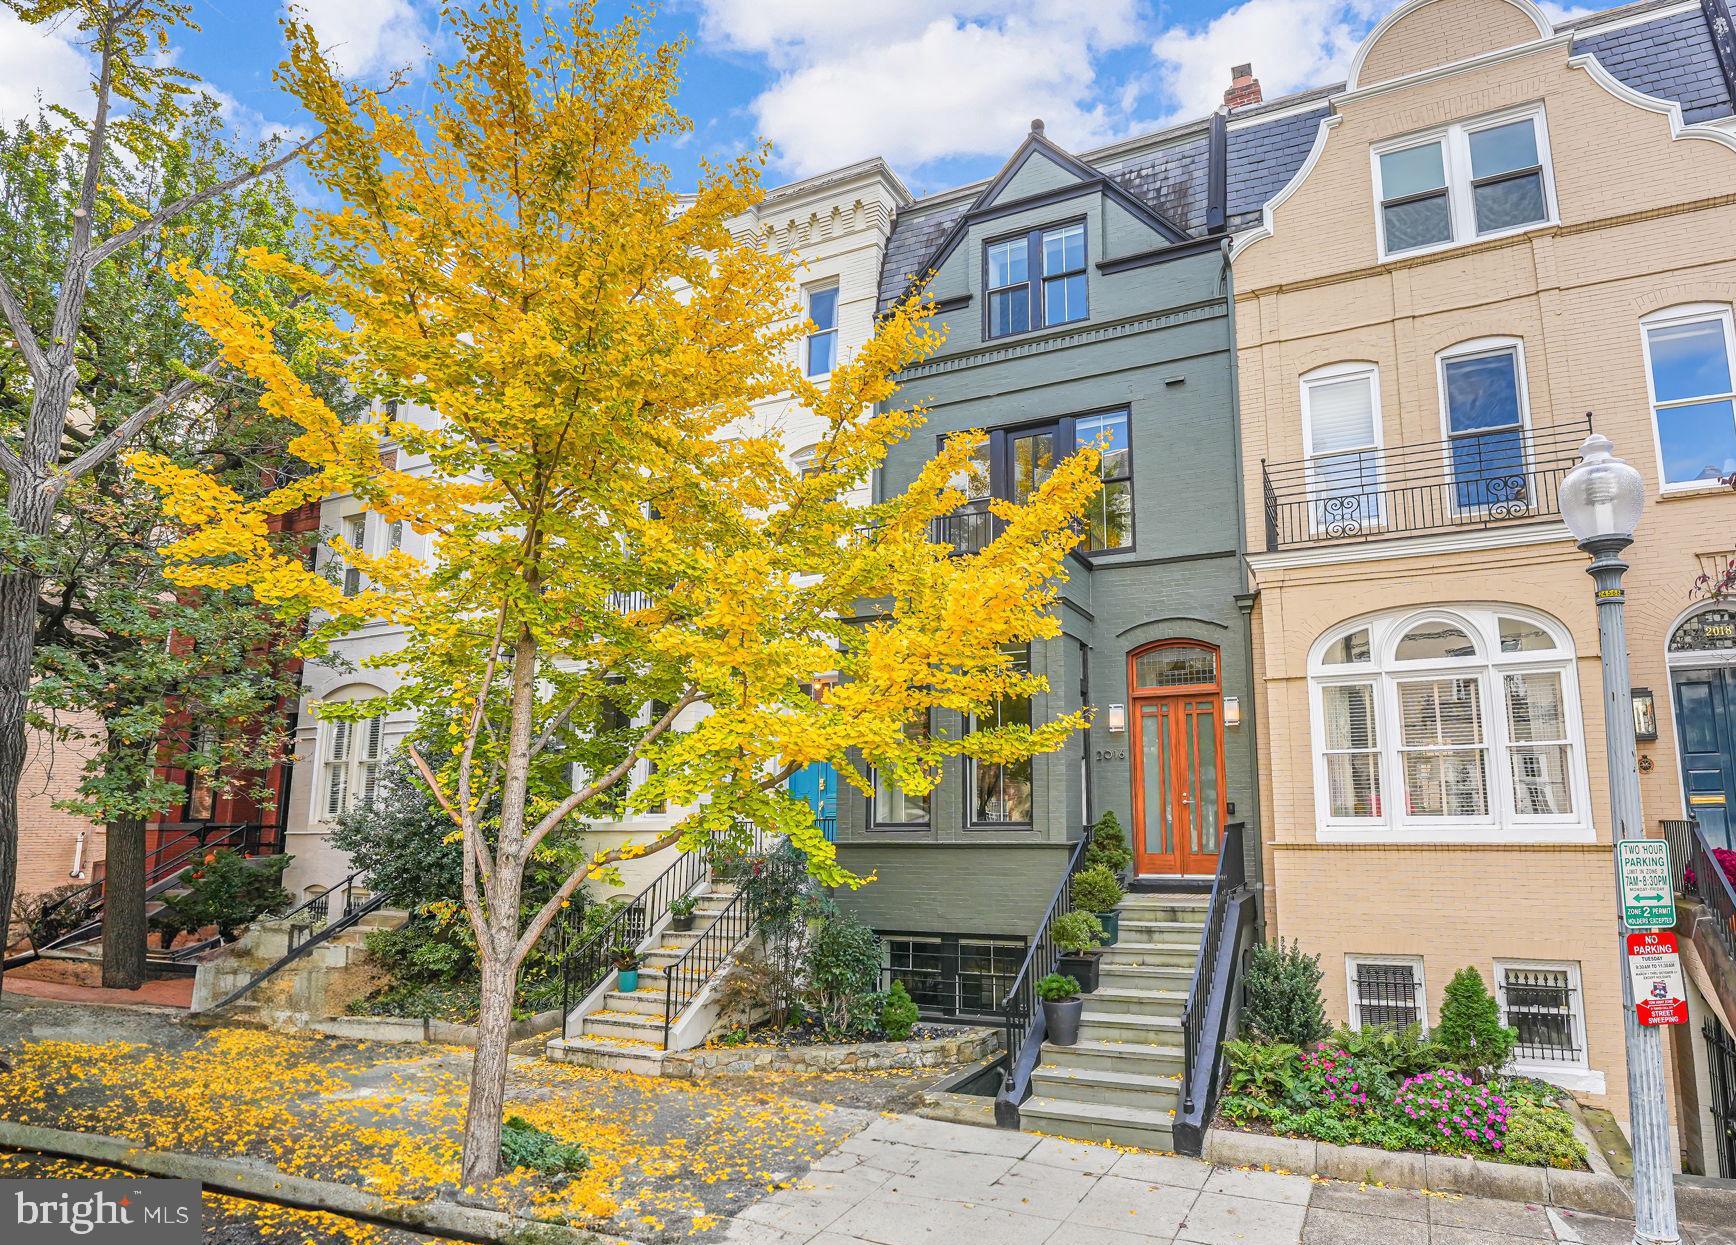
x=1459 y=725
x=1475 y=179
x=1689 y=352
x=1035 y=279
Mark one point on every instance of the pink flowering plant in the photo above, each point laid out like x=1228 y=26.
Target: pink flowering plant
x=1346 y=1082
x=1458 y=1115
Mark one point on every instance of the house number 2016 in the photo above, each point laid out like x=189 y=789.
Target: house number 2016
x=1109 y=754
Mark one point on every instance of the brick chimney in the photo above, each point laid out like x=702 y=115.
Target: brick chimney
x=1244 y=87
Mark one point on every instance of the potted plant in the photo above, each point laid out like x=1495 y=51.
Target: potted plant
x=1061 y=1008
x=1097 y=890
x=626 y=962
x=681 y=915
x=1079 y=935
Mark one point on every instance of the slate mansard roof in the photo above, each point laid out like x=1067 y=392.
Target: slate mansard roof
x=1658 y=47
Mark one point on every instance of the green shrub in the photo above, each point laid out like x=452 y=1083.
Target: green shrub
x=422 y=951
x=1282 y=995
x=400 y=840
x=523 y=1144
x=227 y=890
x=1057 y=988
x=1542 y=1136
x=1268 y=1071
x=1402 y=1052
x=1471 y=1034
x=1096 y=889
x=1077 y=932
x=898 y=1015
x=843 y=975
x=682 y=907
x=1108 y=846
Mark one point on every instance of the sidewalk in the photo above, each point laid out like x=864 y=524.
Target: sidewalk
x=909 y=1181
x=176 y=992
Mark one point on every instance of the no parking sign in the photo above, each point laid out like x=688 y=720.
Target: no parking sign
x=1655 y=968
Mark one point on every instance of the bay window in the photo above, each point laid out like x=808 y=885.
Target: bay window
x=1456 y=725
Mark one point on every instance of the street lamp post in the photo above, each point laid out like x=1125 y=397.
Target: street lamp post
x=1601 y=500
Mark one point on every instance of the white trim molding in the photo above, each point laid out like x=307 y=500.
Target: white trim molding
x=1430 y=545
x=1651 y=103
x=1265 y=228
x=1354 y=81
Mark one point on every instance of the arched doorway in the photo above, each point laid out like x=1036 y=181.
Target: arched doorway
x=1178 y=758
x=1702 y=657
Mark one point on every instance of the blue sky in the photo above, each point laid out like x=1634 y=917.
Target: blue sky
x=944 y=89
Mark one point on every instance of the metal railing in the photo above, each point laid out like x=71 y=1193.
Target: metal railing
x=686 y=977
x=314 y=921
x=629 y=602
x=1021 y=1018
x=1699 y=875
x=1476 y=480
x=585 y=961
x=1212 y=997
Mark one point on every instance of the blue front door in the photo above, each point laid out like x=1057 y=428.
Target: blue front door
x=818 y=785
x=1705 y=699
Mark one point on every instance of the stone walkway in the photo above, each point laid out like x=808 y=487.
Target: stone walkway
x=909 y=1181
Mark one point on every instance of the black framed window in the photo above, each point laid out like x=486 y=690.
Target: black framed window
x=893 y=807
x=1388 y=994
x=953 y=975
x=1016 y=303
x=1014 y=463
x=1001 y=792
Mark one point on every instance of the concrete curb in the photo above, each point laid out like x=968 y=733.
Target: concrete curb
x=402 y=1028
x=257 y=1180
x=1698 y=1199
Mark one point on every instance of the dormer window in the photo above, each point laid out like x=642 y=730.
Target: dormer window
x=1475 y=179
x=1055 y=256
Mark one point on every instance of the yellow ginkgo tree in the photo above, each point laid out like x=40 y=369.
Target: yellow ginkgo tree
x=566 y=357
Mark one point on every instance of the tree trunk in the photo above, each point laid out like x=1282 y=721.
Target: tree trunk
x=18 y=594
x=488 y=1071
x=123 y=905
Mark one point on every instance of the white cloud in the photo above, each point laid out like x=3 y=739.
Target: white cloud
x=1292 y=44
x=39 y=60
x=905 y=81
x=368 y=38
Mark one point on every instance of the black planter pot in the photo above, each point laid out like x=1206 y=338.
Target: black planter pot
x=1082 y=968
x=1061 y=1021
x=680 y=924
x=1111 y=927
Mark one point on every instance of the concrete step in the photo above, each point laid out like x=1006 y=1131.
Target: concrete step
x=631 y=1025
x=1100 y=1025
x=1118 y=976
x=1113 y=1088
x=1139 y=909
x=1096 y=1121
x=1123 y=1058
x=1150 y=955
x=647 y=1000
x=1137 y=1002
x=1142 y=930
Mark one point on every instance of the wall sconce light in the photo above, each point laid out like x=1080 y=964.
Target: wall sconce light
x=1117 y=719
x=1645 y=714
x=1232 y=711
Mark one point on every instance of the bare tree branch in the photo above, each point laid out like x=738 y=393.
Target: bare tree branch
x=164 y=215
x=130 y=426
x=19 y=323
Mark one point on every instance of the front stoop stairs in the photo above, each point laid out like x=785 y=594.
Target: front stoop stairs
x=623 y=1031
x=1122 y=1081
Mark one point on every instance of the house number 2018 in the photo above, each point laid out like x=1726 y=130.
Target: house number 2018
x=1109 y=754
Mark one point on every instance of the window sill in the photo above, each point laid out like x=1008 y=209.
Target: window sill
x=995 y=339
x=1496 y=835
x=1396 y=257
x=1681 y=492
x=1580 y=1080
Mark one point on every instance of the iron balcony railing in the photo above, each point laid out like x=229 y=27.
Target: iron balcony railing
x=1700 y=875
x=1478 y=479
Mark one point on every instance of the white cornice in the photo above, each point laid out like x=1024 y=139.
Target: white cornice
x=1539 y=22
x=1651 y=103
x=1434 y=73
x=823 y=184
x=1264 y=229
x=1411 y=546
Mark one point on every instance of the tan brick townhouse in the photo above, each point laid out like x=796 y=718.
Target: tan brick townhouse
x=1492 y=236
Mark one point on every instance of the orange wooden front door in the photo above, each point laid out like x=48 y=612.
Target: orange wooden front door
x=1178 y=749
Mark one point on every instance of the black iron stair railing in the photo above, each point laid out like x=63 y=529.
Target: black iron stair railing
x=314 y=921
x=1020 y=1015
x=1700 y=876
x=1213 y=999
x=586 y=961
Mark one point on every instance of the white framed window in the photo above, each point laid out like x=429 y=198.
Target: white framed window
x=1473 y=179
x=1690 y=355
x=1386 y=991
x=1485 y=424
x=1544 y=1001
x=1455 y=724
x=1341 y=434
x=354 y=752
x=355 y=531
x=821 y=349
